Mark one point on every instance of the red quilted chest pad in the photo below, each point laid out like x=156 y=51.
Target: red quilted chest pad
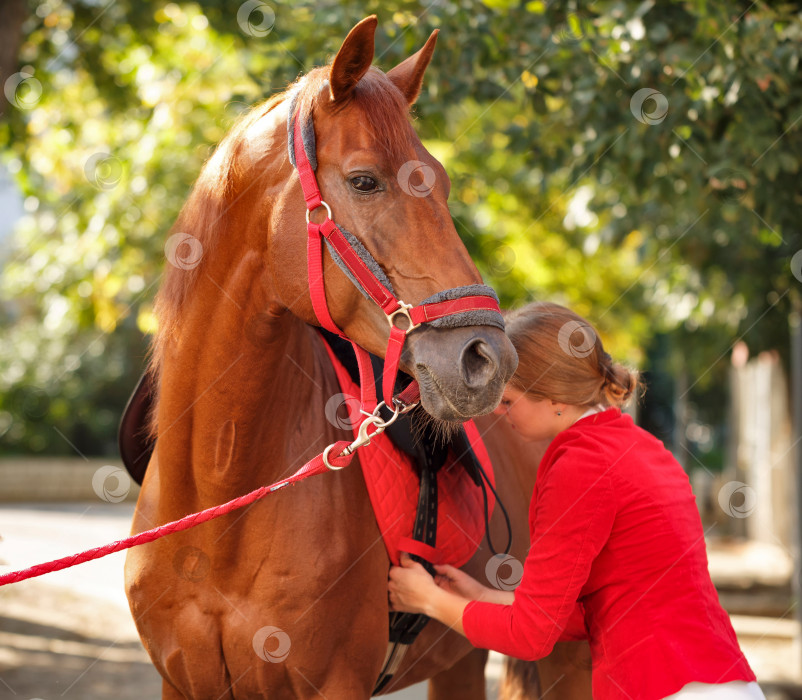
x=393 y=487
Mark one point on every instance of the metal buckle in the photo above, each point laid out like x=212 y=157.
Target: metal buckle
x=372 y=419
x=328 y=464
x=402 y=407
x=322 y=204
x=404 y=310
x=363 y=438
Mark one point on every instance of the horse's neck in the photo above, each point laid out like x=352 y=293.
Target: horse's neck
x=242 y=390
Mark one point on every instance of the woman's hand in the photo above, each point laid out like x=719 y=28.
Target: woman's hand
x=413 y=590
x=453 y=580
x=411 y=587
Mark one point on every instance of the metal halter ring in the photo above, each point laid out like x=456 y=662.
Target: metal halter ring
x=384 y=424
x=401 y=407
x=328 y=464
x=322 y=204
x=403 y=309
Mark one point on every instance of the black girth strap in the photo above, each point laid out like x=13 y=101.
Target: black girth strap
x=405 y=627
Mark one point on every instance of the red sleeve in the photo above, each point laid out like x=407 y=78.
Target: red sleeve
x=570 y=521
x=575 y=629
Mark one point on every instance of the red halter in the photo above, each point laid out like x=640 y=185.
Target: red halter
x=359 y=263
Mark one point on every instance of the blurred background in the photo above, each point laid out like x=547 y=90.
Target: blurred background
x=636 y=161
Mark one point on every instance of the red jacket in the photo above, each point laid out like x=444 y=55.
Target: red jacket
x=614 y=525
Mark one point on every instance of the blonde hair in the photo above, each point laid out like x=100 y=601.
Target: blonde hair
x=561 y=357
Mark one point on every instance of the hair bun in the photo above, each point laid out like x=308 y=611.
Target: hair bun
x=619 y=382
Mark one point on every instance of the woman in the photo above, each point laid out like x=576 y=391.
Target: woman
x=615 y=536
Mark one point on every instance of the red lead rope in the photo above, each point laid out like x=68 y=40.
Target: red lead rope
x=312 y=467
x=338 y=458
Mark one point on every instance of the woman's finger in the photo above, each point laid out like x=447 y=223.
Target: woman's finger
x=407 y=561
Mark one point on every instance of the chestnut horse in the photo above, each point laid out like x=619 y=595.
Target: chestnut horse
x=288 y=598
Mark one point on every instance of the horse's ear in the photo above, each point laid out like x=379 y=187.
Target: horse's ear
x=407 y=76
x=353 y=59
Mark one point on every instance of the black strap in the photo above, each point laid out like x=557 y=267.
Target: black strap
x=405 y=627
x=467 y=457
x=485 y=479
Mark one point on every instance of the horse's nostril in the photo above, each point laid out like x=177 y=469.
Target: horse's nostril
x=478 y=364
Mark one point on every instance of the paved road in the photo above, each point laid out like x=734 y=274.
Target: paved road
x=70 y=634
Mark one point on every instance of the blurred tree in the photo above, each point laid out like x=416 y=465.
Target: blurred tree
x=683 y=120
x=12 y=15
x=669 y=210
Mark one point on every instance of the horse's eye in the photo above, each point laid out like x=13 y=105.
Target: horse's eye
x=364 y=183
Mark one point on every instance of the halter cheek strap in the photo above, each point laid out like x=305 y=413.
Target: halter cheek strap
x=471 y=305
x=475 y=304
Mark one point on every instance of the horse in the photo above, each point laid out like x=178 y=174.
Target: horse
x=287 y=598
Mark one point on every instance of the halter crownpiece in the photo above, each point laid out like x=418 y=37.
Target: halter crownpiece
x=471 y=305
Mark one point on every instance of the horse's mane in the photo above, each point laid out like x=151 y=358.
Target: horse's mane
x=226 y=177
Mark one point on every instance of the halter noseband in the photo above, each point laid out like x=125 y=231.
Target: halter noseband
x=475 y=304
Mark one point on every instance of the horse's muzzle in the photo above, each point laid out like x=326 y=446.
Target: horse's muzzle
x=462 y=372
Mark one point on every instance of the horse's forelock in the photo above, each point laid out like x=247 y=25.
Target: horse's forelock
x=386 y=114
x=384 y=109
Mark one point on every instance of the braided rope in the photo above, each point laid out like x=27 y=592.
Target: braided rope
x=312 y=467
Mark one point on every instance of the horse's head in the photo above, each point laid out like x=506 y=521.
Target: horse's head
x=386 y=189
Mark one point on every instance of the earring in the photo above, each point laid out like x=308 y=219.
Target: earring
x=559 y=413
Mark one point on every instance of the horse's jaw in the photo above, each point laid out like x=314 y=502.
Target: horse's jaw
x=462 y=372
